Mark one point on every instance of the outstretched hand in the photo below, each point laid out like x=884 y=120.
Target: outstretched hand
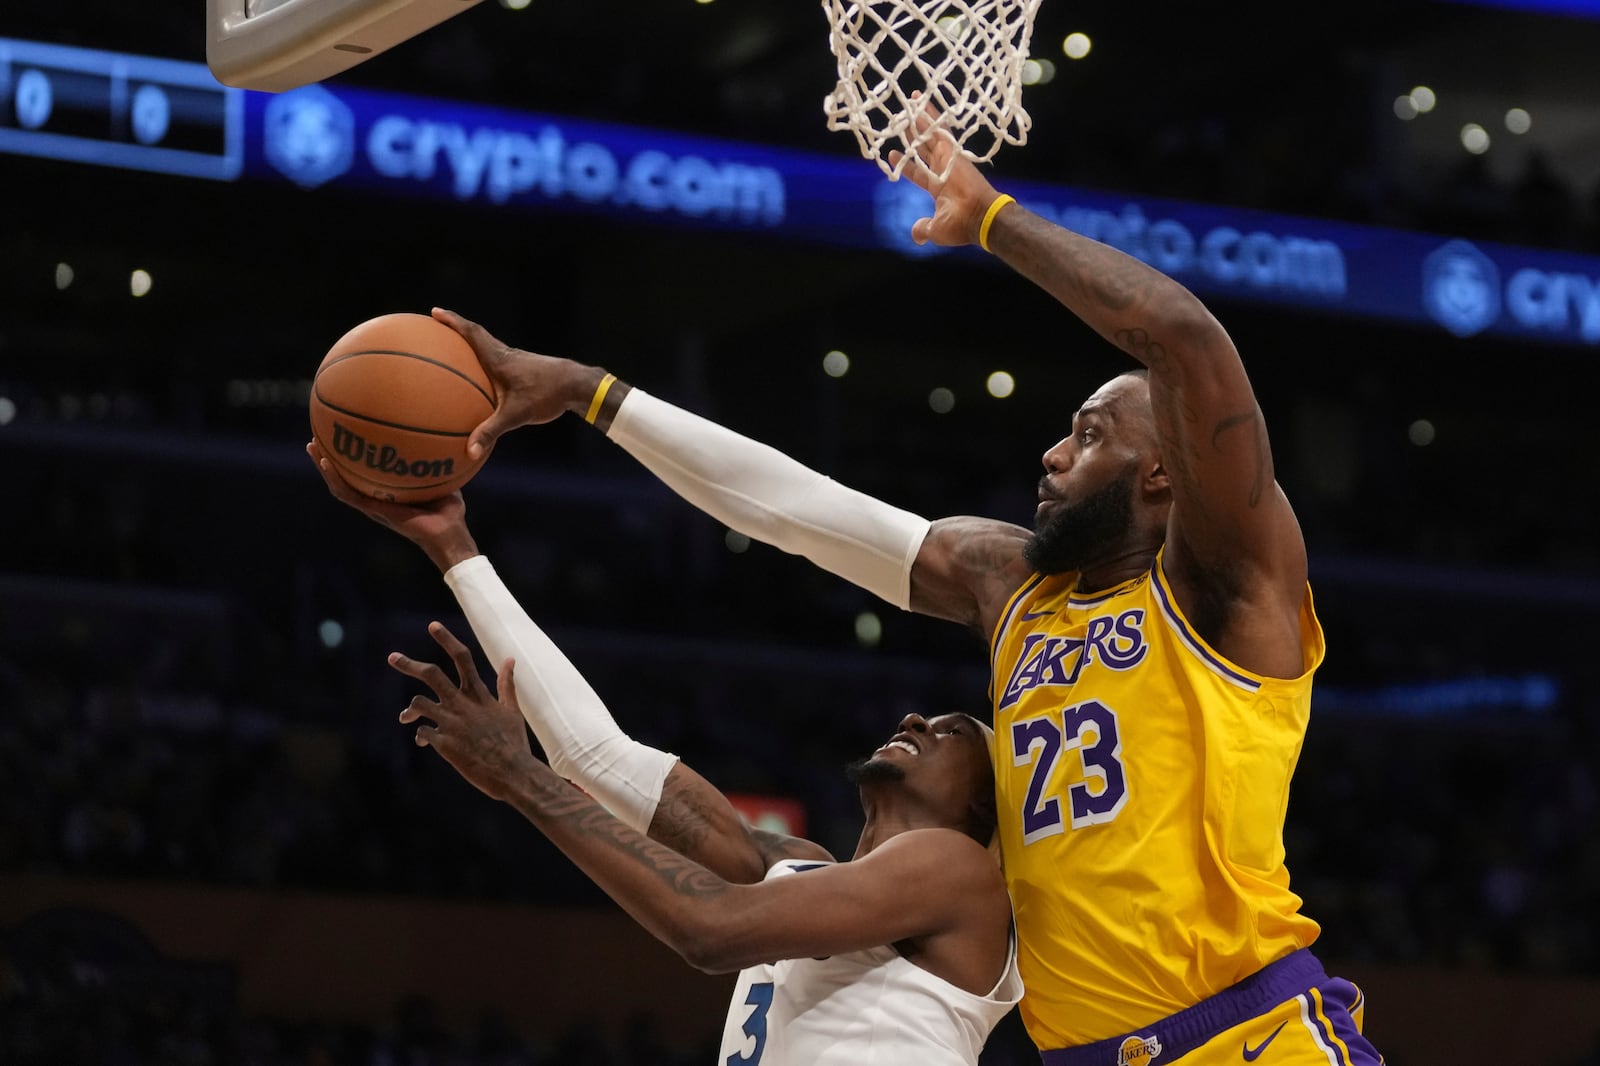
x=959 y=200
x=438 y=527
x=529 y=388
x=479 y=734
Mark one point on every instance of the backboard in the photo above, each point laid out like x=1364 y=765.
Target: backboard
x=276 y=45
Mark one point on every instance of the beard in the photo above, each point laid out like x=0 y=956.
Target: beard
x=1072 y=536
x=872 y=771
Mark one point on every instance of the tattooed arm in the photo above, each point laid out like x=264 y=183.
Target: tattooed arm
x=714 y=923
x=1234 y=549
x=966 y=569
x=691 y=816
x=697 y=821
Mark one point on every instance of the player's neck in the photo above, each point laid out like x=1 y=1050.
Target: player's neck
x=1114 y=570
x=887 y=819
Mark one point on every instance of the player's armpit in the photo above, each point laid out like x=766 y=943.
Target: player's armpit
x=696 y=820
x=966 y=570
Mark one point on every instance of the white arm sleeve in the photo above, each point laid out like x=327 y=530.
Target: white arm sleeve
x=766 y=495
x=578 y=735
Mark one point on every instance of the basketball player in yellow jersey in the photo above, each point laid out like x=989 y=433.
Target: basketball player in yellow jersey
x=1152 y=639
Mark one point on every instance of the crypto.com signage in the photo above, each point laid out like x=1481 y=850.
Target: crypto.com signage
x=109 y=109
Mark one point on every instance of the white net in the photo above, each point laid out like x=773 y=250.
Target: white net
x=965 y=57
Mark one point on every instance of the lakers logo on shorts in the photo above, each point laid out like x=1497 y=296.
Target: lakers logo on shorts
x=1138 y=1050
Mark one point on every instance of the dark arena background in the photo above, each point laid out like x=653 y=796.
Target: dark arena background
x=217 y=846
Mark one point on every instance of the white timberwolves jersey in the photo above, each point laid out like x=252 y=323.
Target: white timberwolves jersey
x=864 y=1008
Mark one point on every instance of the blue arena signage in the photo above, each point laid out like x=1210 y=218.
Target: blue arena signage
x=167 y=116
x=1576 y=8
x=420 y=147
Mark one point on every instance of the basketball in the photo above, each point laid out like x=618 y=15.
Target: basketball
x=393 y=403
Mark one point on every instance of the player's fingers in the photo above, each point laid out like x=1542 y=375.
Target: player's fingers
x=428 y=673
x=922 y=230
x=486 y=344
x=464 y=326
x=912 y=169
x=482 y=439
x=460 y=654
x=337 y=485
x=925 y=112
x=425 y=736
x=505 y=684
x=420 y=709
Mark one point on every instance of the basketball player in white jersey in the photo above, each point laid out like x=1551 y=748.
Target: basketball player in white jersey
x=904 y=954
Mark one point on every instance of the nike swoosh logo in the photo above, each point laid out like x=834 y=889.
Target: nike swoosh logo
x=1252 y=1054
x=1031 y=615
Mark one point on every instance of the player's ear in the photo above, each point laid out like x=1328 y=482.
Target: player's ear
x=1156 y=478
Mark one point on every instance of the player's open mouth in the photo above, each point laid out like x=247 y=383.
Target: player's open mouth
x=903 y=745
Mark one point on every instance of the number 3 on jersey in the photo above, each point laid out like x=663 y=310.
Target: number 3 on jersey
x=755 y=1026
x=1043 y=741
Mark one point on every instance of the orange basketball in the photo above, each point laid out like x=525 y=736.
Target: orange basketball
x=392 y=405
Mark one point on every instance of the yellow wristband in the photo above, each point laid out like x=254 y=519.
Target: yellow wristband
x=988 y=218
x=599 y=398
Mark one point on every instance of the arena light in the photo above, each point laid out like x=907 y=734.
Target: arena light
x=1001 y=384
x=836 y=364
x=869 y=629
x=1076 y=46
x=1038 y=71
x=1474 y=138
x=942 y=400
x=1518 y=121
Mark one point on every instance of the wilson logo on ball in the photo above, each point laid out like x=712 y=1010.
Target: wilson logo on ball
x=354 y=447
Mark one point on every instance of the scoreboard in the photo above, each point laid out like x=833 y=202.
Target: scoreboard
x=119 y=110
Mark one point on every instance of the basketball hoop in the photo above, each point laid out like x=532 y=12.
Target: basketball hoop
x=963 y=56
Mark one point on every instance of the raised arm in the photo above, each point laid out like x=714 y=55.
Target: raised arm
x=960 y=569
x=649 y=790
x=1226 y=505
x=713 y=923
x=1232 y=534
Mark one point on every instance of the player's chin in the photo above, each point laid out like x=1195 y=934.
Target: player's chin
x=874 y=769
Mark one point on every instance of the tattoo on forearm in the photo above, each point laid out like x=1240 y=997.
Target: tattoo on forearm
x=680 y=821
x=680 y=874
x=1118 y=283
x=1087 y=269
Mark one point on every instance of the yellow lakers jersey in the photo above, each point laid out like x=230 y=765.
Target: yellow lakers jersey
x=1142 y=782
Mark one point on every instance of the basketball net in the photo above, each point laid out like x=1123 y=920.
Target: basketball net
x=964 y=56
